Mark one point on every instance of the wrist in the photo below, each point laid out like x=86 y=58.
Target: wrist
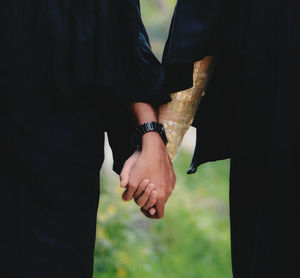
x=152 y=138
x=144 y=112
x=150 y=134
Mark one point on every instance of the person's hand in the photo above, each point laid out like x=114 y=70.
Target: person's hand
x=145 y=195
x=153 y=165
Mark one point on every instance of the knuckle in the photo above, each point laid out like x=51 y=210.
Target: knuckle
x=149 y=188
x=145 y=182
x=154 y=194
x=160 y=196
x=132 y=185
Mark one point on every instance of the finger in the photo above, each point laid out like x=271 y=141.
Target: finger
x=124 y=180
x=152 y=201
x=125 y=174
x=128 y=193
x=147 y=214
x=141 y=201
x=152 y=211
x=160 y=208
x=141 y=189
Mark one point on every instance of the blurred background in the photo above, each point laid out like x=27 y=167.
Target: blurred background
x=193 y=239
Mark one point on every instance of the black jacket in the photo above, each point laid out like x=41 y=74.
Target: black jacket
x=81 y=49
x=250 y=114
x=251 y=40
x=71 y=44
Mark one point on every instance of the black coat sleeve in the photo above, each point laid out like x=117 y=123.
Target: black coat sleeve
x=141 y=79
x=202 y=28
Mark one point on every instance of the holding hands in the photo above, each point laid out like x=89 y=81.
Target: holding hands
x=149 y=177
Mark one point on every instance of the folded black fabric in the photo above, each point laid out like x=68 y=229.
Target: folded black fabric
x=69 y=44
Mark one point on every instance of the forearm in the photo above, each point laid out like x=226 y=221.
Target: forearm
x=151 y=165
x=143 y=112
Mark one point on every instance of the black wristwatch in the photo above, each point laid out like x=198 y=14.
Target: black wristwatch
x=147 y=127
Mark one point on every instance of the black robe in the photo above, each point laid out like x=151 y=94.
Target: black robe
x=67 y=49
x=251 y=115
x=68 y=69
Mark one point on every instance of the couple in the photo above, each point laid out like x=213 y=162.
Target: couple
x=72 y=70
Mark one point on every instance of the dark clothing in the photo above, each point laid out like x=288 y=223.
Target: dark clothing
x=70 y=44
x=66 y=49
x=51 y=155
x=250 y=114
x=67 y=71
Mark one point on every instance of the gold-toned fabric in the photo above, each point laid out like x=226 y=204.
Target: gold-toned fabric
x=178 y=115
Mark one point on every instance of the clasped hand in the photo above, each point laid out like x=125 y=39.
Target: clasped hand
x=148 y=177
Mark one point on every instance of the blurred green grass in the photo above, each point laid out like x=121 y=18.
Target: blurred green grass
x=192 y=241
x=157 y=15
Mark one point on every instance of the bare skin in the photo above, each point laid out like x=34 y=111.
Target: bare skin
x=148 y=175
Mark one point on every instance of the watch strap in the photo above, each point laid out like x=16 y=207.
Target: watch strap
x=148 y=127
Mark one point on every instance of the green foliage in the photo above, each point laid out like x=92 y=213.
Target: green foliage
x=192 y=241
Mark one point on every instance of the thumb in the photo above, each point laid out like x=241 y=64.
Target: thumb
x=125 y=174
x=152 y=211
